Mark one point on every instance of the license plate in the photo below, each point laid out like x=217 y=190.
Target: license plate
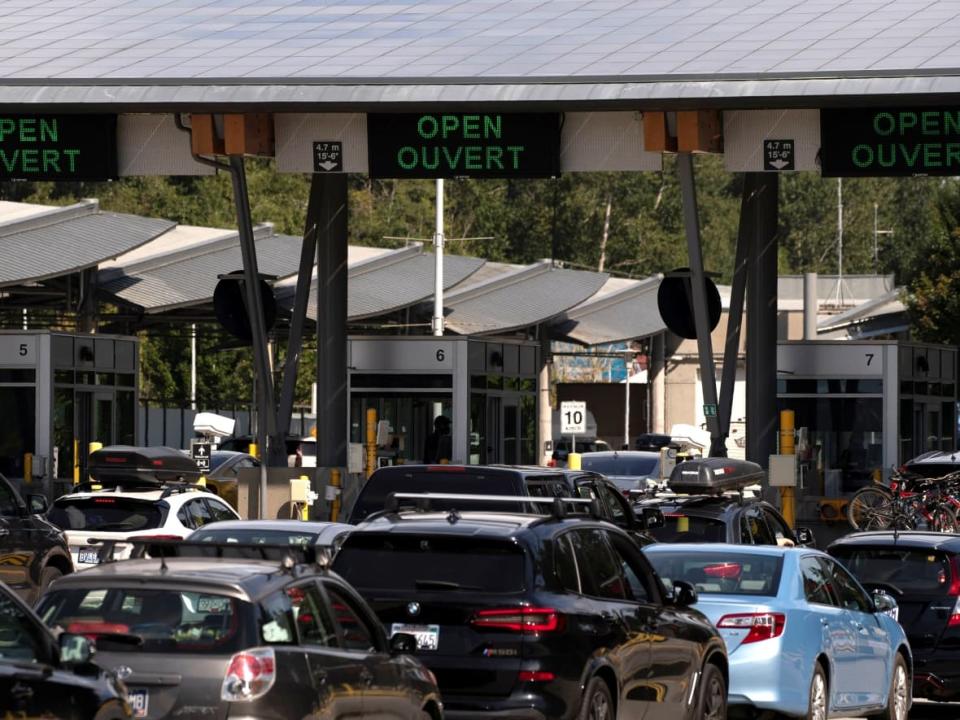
x=428 y=636
x=89 y=556
x=139 y=702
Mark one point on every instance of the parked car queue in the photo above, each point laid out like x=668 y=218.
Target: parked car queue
x=549 y=613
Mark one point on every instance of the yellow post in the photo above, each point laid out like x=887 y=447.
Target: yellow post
x=202 y=481
x=787 y=447
x=94 y=446
x=335 y=482
x=254 y=450
x=371 y=441
x=28 y=468
x=305 y=507
x=573 y=461
x=76 y=461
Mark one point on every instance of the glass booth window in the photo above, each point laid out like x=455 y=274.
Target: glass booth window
x=17 y=427
x=63 y=430
x=413 y=428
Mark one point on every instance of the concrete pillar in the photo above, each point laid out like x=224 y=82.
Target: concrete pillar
x=544 y=409
x=810 y=306
x=657 y=374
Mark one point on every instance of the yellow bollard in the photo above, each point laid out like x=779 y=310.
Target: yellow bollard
x=76 y=461
x=336 y=482
x=371 y=441
x=28 y=468
x=252 y=449
x=787 y=447
x=202 y=481
x=573 y=461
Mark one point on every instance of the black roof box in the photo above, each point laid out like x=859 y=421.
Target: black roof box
x=128 y=465
x=708 y=476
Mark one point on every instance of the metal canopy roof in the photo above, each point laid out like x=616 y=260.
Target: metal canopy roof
x=519 y=298
x=180 y=278
x=621 y=310
x=289 y=53
x=60 y=241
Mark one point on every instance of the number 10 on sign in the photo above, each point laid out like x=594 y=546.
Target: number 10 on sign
x=573 y=419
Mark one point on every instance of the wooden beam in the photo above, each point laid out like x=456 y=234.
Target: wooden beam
x=249 y=134
x=656 y=135
x=203 y=136
x=700 y=131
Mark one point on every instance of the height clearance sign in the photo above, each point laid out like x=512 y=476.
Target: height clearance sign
x=889 y=142
x=482 y=145
x=58 y=147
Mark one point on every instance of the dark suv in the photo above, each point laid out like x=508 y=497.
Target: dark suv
x=36 y=551
x=533 y=617
x=921 y=570
x=224 y=637
x=503 y=480
x=46 y=677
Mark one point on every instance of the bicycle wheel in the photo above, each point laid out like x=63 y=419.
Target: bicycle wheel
x=870 y=508
x=943 y=518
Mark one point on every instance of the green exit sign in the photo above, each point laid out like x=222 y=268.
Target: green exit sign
x=444 y=145
x=890 y=141
x=58 y=147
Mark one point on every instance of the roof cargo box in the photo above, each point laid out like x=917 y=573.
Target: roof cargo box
x=709 y=476
x=127 y=465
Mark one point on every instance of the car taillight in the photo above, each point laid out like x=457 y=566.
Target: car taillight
x=724 y=570
x=535 y=676
x=250 y=675
x=522 y=619
x=761 y=626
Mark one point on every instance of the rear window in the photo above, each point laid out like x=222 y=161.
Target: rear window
x=415 y=564
x=680 y=528
x=720 y=573
x=906 y=569
x=148 y=620
x=109 y=514
x=253 y=537
x=374 y=494
x=633 y=466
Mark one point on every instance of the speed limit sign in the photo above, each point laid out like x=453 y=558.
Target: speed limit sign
x=573 y=417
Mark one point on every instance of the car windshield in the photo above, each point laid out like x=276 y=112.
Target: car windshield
x=411 y=564
x=620 y=465
x=680 y=528
x=247 y=536
x=219 y=458
x=148 y=620
x=722 y=572
x=917 y=570
x=113 y=514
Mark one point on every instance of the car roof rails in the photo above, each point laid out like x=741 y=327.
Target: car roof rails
x=557 y=505
x=180 y=487
x=288 y=555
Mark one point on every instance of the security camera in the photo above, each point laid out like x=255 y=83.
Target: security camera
x=214 y=425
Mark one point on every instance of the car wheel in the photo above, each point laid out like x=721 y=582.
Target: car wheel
x=898 y=700
x=713 y=695
x=819 y=695
x=597 y=703
x=47 y=576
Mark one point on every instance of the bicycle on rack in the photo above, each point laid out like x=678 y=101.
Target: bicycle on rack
x=910 y=502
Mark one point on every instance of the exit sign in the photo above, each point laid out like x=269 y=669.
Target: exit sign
x=444 y=145
x=58 y=147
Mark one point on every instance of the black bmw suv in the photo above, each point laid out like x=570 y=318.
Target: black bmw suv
x=531 y=617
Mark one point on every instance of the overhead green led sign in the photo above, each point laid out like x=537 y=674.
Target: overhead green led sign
x=58 y=147
x=443 y=145
x=890 y=142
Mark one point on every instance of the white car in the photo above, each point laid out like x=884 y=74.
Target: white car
x=169 y=513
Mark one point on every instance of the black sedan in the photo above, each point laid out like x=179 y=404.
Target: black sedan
x=43 y=677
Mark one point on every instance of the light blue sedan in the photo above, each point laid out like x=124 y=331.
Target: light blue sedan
x=803 y=638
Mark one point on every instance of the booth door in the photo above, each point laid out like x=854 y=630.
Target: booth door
x=503 y=430
x=94 y=423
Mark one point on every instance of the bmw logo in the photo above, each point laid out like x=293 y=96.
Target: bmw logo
x=413 y=609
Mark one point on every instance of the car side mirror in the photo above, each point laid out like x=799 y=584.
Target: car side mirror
x=884 y=604
x=805 y=537
x=403 y=644
x=75 y=650
x=684 y=594
x=652 y=518
x=38 y=504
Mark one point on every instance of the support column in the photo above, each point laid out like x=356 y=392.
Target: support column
x=266 y=407
x=544 y=409
x=761 y=218
x=308 y=255
x=332 y=419
x=87 y=306
x=698 y=288
x=657 y=373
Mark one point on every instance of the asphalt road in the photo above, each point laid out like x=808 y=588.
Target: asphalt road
x=923 y=710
